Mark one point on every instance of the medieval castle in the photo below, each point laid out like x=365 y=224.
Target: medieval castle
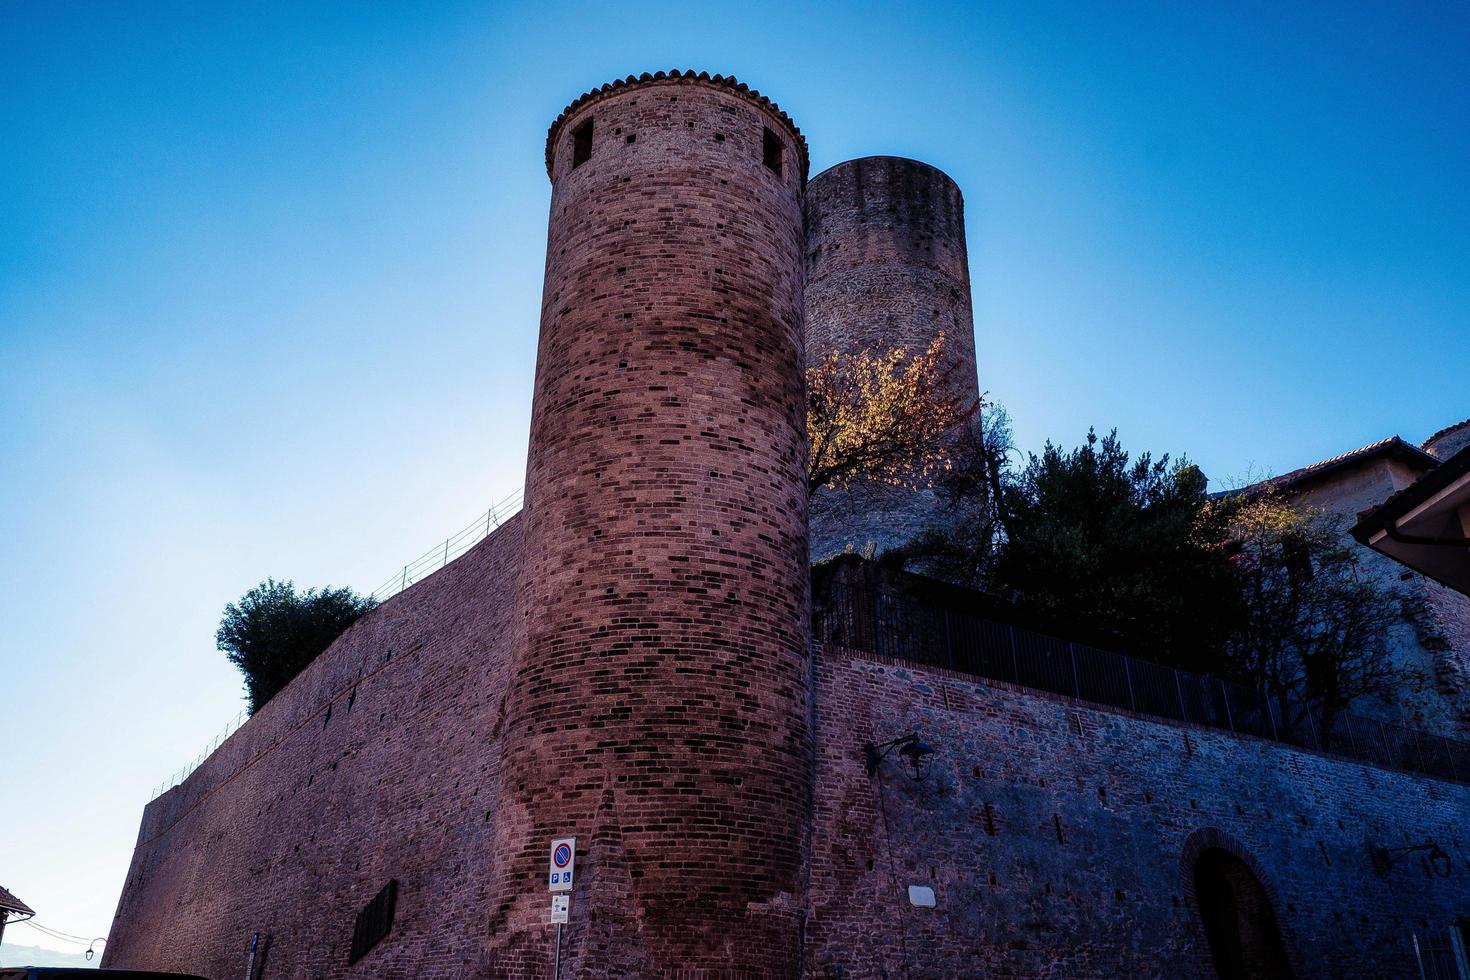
x=632 y=661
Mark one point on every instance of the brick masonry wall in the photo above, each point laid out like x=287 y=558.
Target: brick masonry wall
x=886 y=267
x=381 y=760
x=658 y=708
x=1059 y=838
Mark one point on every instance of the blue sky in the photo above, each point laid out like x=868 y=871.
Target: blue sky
x=270 y=278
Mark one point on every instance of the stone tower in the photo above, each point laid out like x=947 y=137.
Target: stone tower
x=886 y=267
x=1449 y=440
x=658 y=706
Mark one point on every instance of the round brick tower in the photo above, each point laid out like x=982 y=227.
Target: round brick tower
x=658 y=703
x=886 y=267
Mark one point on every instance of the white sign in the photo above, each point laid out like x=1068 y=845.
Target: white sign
x=560 y=906
x=563 y=856
x=921 y=896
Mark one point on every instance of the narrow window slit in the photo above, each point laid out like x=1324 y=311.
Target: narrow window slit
x=581 y=144
x=771 y=151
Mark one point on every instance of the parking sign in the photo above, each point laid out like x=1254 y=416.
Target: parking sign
x=563 y=857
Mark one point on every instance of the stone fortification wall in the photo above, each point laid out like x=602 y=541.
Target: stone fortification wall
x=379 y=761
x=1060 y=840
x=658 y=707
x=886 y=267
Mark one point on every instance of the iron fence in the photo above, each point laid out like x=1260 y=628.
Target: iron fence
x=922 y=631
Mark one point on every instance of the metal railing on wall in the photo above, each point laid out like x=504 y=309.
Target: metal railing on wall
x=455 y=545
x=925 y=632
x=174 y=778
x=415 y=571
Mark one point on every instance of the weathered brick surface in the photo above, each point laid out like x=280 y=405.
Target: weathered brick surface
x=1059 y=838
x=886 y=267
x=658 y=703
x=381 y=760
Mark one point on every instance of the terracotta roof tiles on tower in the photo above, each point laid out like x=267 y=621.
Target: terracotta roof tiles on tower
x=1444 y=432
x=687 y=75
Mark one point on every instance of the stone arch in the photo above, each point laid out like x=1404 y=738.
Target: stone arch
x=1235 y=911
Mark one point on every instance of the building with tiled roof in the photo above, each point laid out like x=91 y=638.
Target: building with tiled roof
x=1393 y=448
x=1427 y=525
x=12 y=909
x=1352 y=483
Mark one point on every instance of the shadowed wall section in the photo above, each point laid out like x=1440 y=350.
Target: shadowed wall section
x=1063 y=841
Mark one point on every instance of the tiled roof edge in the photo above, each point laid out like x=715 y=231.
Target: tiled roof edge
x=1325 y=466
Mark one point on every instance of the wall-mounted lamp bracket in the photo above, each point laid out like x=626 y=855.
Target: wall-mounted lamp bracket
x=915 y=753
x=1436 y=861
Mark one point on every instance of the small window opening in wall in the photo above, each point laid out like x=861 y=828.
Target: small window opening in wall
x=582 y=144
x=771 y=150
x=632 y=138
x=374 y=922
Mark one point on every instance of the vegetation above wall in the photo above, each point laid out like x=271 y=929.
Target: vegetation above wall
x=1245 y=586
x=1313 y=623
x=274 y=632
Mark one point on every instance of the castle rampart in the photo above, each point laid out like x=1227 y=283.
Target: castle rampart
x=1062 y=840
x=630 y=661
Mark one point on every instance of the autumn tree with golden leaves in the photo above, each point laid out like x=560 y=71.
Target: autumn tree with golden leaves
x=885 y=418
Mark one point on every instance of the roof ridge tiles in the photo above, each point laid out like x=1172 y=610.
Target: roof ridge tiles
x=1332 y=462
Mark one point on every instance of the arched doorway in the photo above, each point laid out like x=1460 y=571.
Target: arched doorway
x=1240 y=925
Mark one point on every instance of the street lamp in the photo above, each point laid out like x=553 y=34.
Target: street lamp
x=915 y=753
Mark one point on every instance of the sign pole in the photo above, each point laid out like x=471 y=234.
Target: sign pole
x=563 y=862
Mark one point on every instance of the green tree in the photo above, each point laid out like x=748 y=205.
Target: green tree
x=1134 y=546
x=273 y=632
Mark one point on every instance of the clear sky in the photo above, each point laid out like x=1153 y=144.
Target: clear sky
x=270 y=278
